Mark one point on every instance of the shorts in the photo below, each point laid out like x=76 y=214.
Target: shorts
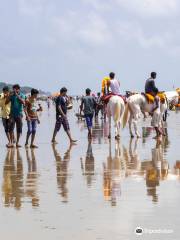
x=6 y=124
x=89 y=121
x=62 y=121
x=18 y=122
x=32 y=125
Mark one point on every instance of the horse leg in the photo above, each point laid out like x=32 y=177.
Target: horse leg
x=117 y=131
x=109 y=136
x=136 y=129
x=130 y=126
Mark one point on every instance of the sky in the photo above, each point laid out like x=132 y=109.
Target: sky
x=49 y=44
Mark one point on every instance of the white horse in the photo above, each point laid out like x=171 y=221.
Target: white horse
x=136 y=104
x=115 y=109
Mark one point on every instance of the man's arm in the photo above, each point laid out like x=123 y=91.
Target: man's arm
x=8 y=99
x=25 y=111
x=61 y=111
x=22 y=101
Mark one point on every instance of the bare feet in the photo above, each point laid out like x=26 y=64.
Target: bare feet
x=18 y=146
x=73 y=141
x=9 y=145
x=33 y=146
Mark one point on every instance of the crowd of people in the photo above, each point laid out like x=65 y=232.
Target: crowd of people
x=14 y=103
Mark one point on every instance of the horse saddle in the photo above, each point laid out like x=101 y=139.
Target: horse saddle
x=150 y=98
x=106 y=98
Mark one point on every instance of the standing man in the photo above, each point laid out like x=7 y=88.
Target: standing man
x=150 y=86
x=31 y=117
x=61 y=116
x=88 y=105
x=5 y=111
x=17 y=100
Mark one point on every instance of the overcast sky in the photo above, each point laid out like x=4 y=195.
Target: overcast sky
x=75 y=43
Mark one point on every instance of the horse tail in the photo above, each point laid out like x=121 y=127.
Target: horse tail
x=117 y=112
x=126 y=114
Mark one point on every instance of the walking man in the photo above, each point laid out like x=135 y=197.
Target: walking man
x=61 y=116
x=88 y=105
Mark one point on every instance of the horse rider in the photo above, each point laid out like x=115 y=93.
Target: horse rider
x=150 y=86
x=104 y=88
x=114 y=84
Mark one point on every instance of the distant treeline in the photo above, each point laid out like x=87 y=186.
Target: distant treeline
x=24 y=89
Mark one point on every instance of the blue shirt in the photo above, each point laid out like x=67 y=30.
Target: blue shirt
x=150 y=85
x=16 y=105
x=62 y=102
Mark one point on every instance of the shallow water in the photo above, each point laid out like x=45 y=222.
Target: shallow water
x=97 y=190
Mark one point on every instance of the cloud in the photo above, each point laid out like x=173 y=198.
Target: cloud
x=150 y=8
x=91 y=29
x=95 y=31
x=30 y=7
x=99 y=5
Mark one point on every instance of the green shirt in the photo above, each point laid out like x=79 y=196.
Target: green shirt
x=16 y=105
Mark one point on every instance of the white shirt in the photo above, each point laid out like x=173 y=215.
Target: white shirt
x=115 y=86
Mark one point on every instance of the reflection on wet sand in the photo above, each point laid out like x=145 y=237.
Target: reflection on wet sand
x=127 y=163
x=62 y=171
x=156 y=170
x=88 y=167
x=113 y=171
x=31 y=179
x=13 y=189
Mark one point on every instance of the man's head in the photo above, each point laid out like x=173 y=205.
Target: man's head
x=98 y=94
x=63 y=91
x=88 y=91
x=112 y=75
x=34 y=93
x=153 y=75
x=16 y=88
x=5 y=90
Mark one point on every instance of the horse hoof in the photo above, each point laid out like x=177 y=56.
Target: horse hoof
x=138 y=136
x=109 y=136
x=132 y=136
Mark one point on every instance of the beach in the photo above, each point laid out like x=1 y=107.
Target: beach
x=99 y=189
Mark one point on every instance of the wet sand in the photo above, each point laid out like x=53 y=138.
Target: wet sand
x=94 y=190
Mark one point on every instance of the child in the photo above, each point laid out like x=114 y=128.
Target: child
x=31 y=117
x=88 y=105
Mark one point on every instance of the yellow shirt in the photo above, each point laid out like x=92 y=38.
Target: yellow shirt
x=5 y=108
x=104 y=84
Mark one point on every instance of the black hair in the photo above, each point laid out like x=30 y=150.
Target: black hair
x=6 y=89
x=63 y=90
x=153 y=74
x=16 y=86
x=112 y=75
x=34 y=91
x=88 y=91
